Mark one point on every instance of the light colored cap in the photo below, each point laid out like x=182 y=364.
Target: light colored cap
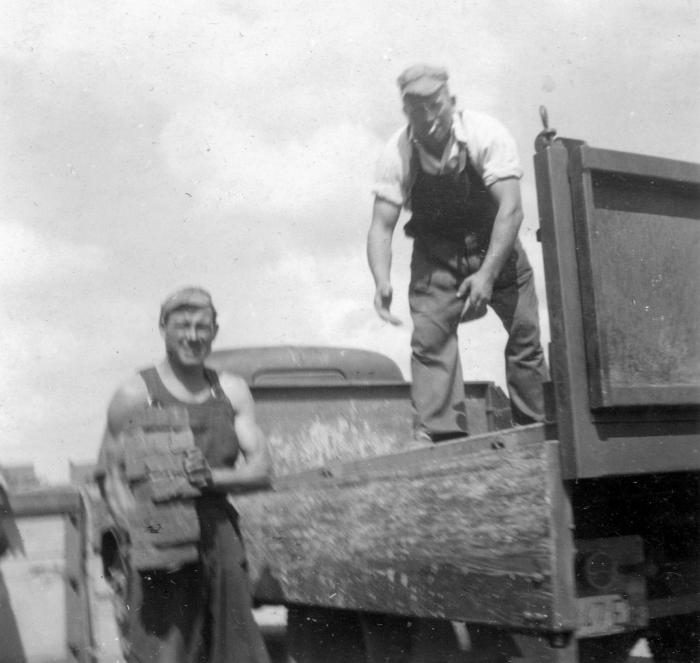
x=190 y=296
x=422 y=80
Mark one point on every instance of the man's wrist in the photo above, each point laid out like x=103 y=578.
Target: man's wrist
x=489 y=270
x=215 y=479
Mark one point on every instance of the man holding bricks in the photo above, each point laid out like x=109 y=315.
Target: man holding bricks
x=200 y=611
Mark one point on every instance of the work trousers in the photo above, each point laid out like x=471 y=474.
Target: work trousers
x=438 y=266
x=201 y=613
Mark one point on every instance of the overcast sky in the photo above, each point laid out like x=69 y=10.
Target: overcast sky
x=145 y=145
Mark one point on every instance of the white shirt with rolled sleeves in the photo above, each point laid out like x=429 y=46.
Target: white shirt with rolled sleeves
x=491 y=149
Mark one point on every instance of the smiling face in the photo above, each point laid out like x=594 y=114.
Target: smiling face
x=188 y=333
x=430 y=117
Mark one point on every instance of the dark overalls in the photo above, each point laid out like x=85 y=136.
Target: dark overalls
x=201 y=613
x=451 y=223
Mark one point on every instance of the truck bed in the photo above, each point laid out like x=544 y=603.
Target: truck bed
x=467 y=530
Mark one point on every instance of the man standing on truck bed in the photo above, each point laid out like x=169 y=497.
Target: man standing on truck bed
x=201 y=611
x=458 y=173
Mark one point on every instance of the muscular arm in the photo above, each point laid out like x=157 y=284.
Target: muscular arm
x=384 y=218
x=505 y=227
x=256 y=471
x=130 y=399
x=479 y=286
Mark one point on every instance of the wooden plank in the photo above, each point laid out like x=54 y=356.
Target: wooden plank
x=567 y=350
x=418 y=457
x=78 y=619
x=562 y=549
x=47 y=501
x=675 y=395
x=468 y=536
x=639 y=164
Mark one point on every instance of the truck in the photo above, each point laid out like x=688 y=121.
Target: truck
x=562 y=541
x=565 y=541
x=60 y=577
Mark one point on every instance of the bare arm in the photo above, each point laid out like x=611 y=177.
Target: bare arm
x=385 y=215
x=505 y=227
x=128 y=401
x=478 y=287
x=256 y=471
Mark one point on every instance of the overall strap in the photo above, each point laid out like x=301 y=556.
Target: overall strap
x=152 y=381
x=213 y=379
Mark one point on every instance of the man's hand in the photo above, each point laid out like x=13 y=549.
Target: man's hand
x=382 y=304
x=477 y=290
x=197 y=469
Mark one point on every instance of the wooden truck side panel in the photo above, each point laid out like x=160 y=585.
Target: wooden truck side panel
x=45 y=612
x=470 y=530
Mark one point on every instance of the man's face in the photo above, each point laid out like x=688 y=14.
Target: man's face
x=188 y=334
x=430 y=117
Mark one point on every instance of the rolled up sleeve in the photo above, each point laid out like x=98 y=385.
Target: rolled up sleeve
x=493 y=148
x=391 y=171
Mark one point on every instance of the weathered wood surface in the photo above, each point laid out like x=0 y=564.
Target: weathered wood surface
x=307 y=426
x=43 y=501
x=464 y=530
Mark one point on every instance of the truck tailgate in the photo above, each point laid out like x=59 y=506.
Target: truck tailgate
x=468 y=530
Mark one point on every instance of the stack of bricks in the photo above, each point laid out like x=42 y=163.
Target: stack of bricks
x=164 y=528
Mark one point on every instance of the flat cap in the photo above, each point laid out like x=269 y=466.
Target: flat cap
x=190 y=296
x=422 y=80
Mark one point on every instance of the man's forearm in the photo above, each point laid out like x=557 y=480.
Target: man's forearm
x=379 y=254
x=381 y=231
x=503 y=236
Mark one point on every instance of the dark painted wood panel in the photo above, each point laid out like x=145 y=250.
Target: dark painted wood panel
x=617 y=440
x=643 y=310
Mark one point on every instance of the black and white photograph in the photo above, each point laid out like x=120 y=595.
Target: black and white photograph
x=350 y=332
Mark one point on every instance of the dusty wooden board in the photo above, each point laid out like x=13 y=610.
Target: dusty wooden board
x=45 y=501
x=307 y=425
x=465 y=534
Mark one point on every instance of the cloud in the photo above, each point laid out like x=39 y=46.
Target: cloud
x=29 y=258
x=232 y=144
x=271 y=180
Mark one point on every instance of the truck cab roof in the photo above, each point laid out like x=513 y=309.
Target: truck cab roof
x=299 y=365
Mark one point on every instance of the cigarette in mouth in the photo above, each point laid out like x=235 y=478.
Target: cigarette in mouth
x=433 y=127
